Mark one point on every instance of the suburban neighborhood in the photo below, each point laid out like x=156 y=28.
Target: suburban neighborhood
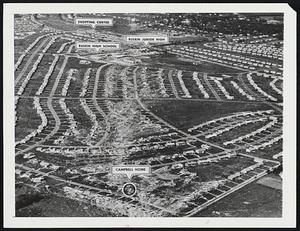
x=198 y=98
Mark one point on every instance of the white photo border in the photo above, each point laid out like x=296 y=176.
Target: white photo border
x=288 y=219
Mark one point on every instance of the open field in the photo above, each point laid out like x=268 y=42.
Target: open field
x=175 y=112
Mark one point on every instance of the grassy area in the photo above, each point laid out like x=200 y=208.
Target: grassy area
x=185 y=114
x=254 y=200
x=223 y=168
x=172 y=61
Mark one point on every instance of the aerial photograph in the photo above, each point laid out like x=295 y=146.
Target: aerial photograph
x=148 y=114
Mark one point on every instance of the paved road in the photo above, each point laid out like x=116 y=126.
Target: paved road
x=53 y=112
x=186 y=134
x=59 y=178
x=88 y=187
x=267 y=160
x=178 y=130
x=54 y=62
x=61 y=71
x=20 y=59
x=127 y=145
x=160 y=99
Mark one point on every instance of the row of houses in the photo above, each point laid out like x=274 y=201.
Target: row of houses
x=233 y=126
x=182 y=85
x=222 y=88
x=183 y=154
x=264 y=144
x=238 y=115
x=72 y=122
x=257 y=88
x=264 y=50
x=224 y=58
x=47 y=76
x=29 y=48
x=241 y=91
x=200 y=85
x=35 y=66
x=157 y=136
x=203 y=161
x=254 y=38
x=244 y=171
x=273 y=122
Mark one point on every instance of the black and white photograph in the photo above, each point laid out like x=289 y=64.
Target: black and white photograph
x=160 y=114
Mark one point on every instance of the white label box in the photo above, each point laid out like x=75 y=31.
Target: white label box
x=97 y=46
x=148 y=39
x=130 y=170
x=94 y=21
